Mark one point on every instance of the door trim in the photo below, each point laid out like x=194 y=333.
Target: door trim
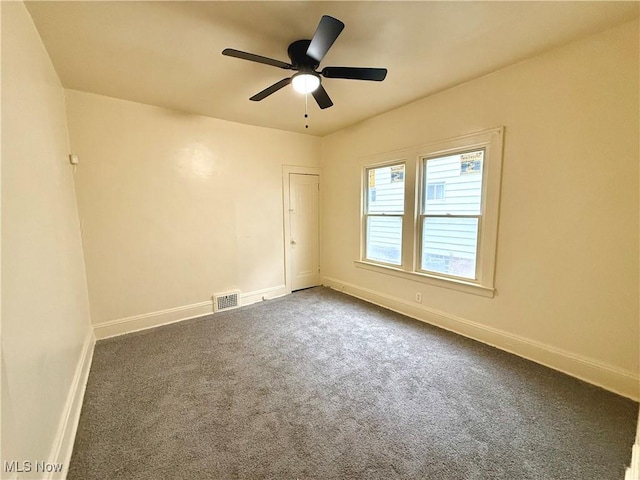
x=286 y=171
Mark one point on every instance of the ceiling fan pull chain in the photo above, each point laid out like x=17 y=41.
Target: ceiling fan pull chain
x=306 y=115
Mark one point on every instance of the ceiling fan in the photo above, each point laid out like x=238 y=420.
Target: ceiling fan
x=306 y=56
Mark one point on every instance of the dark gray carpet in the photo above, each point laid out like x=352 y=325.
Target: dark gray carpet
x=320 y=385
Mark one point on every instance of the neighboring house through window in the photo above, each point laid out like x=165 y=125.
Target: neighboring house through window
x=449 y=226
x=435 y=191
x=384 y=213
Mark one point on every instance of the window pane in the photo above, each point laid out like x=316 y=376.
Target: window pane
x=385 y=189
x=384 y=239
x=449 y=246
x=453 y=184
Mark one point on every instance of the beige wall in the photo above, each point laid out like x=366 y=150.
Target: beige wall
x=567 y=258
x=45 y=310
x=177 y=207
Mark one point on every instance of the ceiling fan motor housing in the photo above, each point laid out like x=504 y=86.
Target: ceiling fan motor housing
x=297 y=52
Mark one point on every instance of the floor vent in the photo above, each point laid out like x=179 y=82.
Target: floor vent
x=226 y=301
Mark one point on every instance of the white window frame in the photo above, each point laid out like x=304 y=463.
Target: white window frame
x=491 y=141
x=366 y=214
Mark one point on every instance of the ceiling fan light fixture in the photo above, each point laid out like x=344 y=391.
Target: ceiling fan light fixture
x=305 y=82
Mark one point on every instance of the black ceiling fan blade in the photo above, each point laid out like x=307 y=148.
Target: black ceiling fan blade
x=355 y=73
x=322 y=97
x=328 y=30
x=230 y=52
x=269 y=90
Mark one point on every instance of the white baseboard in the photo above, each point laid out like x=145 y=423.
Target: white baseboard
x=66 y=434
x=145 y=321
x=609 y=377
x=113 y=328
x=264 y=294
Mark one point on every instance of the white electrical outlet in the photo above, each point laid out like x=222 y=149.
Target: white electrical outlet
x=418 y=297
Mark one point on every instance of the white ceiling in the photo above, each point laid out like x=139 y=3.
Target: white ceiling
x=169 y=53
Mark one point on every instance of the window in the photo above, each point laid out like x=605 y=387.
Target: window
x=435 y=191
x=449 y=227
x=438 y=222
x=384 y=214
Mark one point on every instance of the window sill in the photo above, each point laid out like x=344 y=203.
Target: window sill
x=460 y=285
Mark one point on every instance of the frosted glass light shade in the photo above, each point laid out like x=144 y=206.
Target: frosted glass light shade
x=305 y=82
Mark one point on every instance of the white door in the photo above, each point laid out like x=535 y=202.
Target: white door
x=304 y=221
